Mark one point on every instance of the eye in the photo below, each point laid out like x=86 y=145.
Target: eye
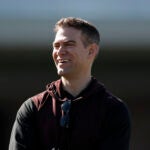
x=56 y=45
x=69 y=44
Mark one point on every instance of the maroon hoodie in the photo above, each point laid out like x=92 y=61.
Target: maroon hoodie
x=97 y=120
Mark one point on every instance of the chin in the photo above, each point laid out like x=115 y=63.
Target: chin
x=61 y=72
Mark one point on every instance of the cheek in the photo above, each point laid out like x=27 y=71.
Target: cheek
x=82 y=56
x=54 y=55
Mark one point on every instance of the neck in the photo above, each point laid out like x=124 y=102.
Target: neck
x=76 y=85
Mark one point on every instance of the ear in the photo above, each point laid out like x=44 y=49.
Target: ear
x=93 y=49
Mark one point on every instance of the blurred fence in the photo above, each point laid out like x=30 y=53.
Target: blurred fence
x=124 y=70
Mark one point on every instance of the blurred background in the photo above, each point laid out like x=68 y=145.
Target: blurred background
x=123 y=65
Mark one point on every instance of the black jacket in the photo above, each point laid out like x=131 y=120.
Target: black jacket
x=98 y=121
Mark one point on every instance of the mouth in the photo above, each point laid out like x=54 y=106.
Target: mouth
x=63 y=61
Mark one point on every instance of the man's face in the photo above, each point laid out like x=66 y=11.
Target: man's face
x=69 y=53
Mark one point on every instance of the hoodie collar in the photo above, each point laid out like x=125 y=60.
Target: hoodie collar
x=55 y=90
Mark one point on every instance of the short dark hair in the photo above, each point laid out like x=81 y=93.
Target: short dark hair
x=88 y=30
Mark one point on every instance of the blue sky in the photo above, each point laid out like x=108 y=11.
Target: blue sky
x=31 y=21
x=99 y=9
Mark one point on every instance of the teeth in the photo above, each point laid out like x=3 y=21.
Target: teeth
x=64 y=60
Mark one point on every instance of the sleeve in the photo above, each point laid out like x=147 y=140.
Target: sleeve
x=117 y=128
x=23 y=131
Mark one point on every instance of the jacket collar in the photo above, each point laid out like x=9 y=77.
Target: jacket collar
x=55 y=90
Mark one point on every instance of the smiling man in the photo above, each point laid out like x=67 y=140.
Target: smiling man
x=73 y=58
x=77 y=111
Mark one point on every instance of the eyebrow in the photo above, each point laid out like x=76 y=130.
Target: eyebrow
x=65 y=42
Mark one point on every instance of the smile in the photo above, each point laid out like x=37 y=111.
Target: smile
x=63 y=60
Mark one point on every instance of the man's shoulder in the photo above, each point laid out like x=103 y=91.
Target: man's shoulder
x=115 y=105
x=40 y=98
x=112 y=100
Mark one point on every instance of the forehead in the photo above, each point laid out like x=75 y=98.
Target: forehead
x=68 y=33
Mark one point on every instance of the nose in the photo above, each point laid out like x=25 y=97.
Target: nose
x=61 y=51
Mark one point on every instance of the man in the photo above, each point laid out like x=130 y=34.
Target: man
x=75 y=112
